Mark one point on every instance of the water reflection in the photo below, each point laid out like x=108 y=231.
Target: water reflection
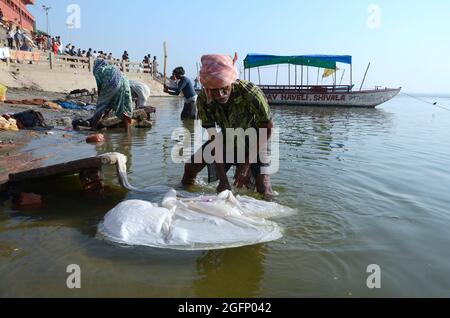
x=235 y=272
x=65 y=205
x=315 y=133
x=122 y=143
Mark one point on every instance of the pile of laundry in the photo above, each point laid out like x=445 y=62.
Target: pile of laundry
x=7 y=123
x=55 y=105
x=23 y=120
x=75 y=105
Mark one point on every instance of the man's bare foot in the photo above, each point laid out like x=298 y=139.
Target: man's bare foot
x=242 y=177
x=264 y=186
x=191 y=170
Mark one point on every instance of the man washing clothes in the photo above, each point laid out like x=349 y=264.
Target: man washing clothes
x=228 y=102
x=190 y=96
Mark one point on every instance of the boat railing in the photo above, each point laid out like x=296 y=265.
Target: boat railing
x=381 y=88
x=309 y=88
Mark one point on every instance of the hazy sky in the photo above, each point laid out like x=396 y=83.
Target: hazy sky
x=407 y=41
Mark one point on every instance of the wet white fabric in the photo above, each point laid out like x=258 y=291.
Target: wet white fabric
x=141 y=90
x=201 y=223
x=197 y=223
x=120 y=161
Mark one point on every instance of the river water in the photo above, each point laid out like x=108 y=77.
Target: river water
x=371 y=186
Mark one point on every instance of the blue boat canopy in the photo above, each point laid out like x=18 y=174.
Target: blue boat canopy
x=322 y=61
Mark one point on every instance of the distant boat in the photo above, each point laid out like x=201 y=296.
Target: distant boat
x=317 y=95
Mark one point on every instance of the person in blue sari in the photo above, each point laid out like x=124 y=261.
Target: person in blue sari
x=114 y=94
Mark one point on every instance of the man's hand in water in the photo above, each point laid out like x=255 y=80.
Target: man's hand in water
x=127 y=120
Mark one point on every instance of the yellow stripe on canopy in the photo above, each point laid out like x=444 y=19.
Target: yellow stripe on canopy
x=328 y=72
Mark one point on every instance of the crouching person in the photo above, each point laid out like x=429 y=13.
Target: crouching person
x=232 y=104
x=114 y=94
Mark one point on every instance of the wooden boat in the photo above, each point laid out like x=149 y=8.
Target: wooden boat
x=317 y=95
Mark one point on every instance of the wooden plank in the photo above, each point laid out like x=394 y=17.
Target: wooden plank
x=76 y=58
x=165 y=63
x=132 y=63
x=71 y=62
x=51 y=60
x=61 y=62
x=68 y=168
x=68 y=64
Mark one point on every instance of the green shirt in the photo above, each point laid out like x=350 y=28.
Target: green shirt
x=247 y=107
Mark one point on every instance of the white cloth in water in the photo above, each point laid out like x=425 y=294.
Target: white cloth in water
x=141 y=90
x=120 y=161
x=202 y=223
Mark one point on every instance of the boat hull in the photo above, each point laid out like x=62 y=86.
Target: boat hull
x=368 y=98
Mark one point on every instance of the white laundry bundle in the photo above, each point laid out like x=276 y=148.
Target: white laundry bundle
x=141 y=90
x=203 y=223
x=200 y=223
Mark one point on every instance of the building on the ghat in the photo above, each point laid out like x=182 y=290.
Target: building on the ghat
x=16 y=11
